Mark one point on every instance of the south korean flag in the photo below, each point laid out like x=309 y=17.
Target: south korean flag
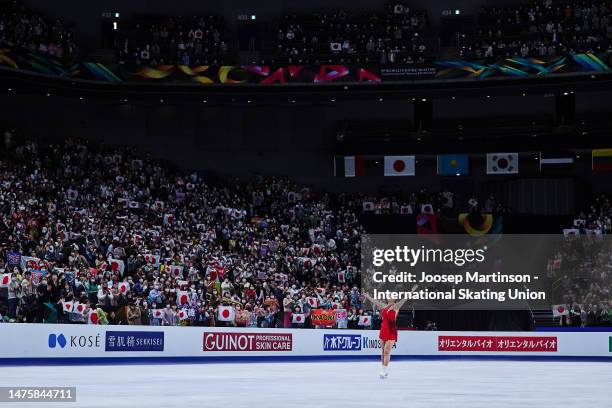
x=502 y=163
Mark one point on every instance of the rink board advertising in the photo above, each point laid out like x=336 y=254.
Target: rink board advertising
x=42 y=343
x=230 y=341
x=134 y=341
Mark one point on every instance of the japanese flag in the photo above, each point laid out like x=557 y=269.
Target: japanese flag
x=68 y=307
x=72 y=194
x=341 y=277
x=183 y=314
x=321 y=291
x=92 y=318
x=124 y=287
x=152 y=259
x=336 y=305
x=117 y=265
x=5 y=278
x=181 y=297
x=212 y=273
x=297 y=318
x=226 y=314
x=427 y=209
x=220 y=270
x=176 y=271
x=399 y=165
x=364 y=321
x=156 y=313
x=313 y=301
x=79 y=308
x=560 y=310
x=168 y=219
x=30 y=262
x=367 y=206
x=406 y=209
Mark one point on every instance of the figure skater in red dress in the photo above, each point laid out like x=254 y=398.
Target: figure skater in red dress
x=388 y=329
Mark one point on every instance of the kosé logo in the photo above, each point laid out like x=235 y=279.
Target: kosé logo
x=60 y=341
x=56 y=340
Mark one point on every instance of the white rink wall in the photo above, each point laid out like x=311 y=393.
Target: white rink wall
x=46 y=343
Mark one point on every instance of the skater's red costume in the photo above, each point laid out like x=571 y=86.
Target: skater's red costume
x=388 y=329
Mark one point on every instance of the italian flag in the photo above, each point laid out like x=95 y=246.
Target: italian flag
x=602 y=159
x=349 y=166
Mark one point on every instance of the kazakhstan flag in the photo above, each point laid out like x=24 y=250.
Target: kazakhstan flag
x=453 y=164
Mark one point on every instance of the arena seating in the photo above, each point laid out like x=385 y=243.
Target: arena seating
x=36 y=32
x=159 y=40
x=122 y=234
x=542 y=28
x=398 y=35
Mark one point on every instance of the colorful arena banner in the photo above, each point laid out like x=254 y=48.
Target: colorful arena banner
x=498 y=343
x=226 y=341
x=204 y=75
x=322 y=317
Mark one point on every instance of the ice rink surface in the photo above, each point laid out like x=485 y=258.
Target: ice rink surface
x=337 y=384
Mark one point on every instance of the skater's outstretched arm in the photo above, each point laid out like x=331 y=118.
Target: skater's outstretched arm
x=375 y=302
x=397 y=306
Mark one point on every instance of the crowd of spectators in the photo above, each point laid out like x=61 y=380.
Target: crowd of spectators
x=88 y=230
x=395 y=36
x=194 y=40
x=398 y=35
x=583 y=268
x=542 y=28
x=35 y=32
x=426 y=202
x=125 y=236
